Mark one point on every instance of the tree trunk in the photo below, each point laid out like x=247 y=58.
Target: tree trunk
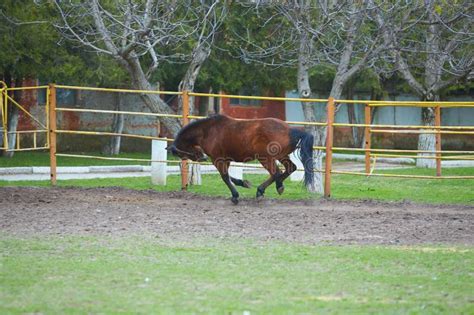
x=200 y=55
x=152 y=101
x=427 y=142
x=113 y=146
x=319 y=133
x=12 y=128
x=376 y=97
x=13 y=117
x=352 y=117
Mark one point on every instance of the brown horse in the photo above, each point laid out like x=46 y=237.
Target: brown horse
x=225 y=139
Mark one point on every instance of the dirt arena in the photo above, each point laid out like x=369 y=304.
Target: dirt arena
x=28 y=212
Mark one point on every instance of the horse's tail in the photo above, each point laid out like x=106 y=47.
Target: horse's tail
x=304 y=141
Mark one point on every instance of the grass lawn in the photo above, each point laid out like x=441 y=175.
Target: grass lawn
x=73 y=274
x=143 y=274
x=42 y=159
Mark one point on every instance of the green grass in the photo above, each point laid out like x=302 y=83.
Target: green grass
x=129 y=275
x=57 y=275
x=343 y=186
x=450 y=191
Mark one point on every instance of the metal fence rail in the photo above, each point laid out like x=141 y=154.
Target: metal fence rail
x=371 y=154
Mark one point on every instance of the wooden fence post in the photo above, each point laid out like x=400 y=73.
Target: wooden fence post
x=4 y=121
x=438 y=139
x=184 y=163
x=52 y=132
x=329 y=145
x=367 y=135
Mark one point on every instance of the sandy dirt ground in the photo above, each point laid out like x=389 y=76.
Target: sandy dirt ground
x=26 y=212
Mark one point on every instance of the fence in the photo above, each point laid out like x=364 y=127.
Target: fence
x=371 y=154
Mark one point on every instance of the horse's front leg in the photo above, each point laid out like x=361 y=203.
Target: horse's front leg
x=223 y=168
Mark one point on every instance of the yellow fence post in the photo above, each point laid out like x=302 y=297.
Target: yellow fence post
x=329 y=145
x=367 y=135
x=52 y=132
x=4 y=125
x=438 y=139
x=4 y=106
x=184 y=163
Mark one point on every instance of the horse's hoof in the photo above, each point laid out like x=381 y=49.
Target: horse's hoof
x=246 y=184
x=281 y=189
x=235 y=200
x=259 y=194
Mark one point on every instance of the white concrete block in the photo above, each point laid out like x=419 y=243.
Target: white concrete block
x=236 y=171
x=296 y=176
x=158 y=169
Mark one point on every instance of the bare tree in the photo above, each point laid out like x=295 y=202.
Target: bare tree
x=312 y=32
x=432 y=47
x=142 y=35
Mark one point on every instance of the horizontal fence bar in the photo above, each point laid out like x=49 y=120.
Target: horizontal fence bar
x=256 y=166
x=415 y=104
x=27 y=149
x=401 y=176
x=199 y=117
x=425 y=156
x=71 y=87
x=27 y=131
x=319 y=100
x=263 y=98
x=296 y=99
x=83 y=110
x=306 y=123
x=403 y=126
x=113 y=158
x=21 y=88
x=101 y=133
x=402 y=151
x=356 y=125
x=423 y=131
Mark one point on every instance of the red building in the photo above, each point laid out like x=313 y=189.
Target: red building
x=244 y=108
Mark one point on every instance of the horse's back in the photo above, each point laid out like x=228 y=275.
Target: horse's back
x=247 y=139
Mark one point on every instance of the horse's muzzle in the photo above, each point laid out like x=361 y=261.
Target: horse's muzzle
x=202 y=159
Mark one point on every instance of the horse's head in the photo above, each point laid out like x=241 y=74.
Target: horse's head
x=187 y=142
x=191 y=152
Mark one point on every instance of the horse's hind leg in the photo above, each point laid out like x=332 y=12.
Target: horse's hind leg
x=223 y=168
x=240 y=182
x=290 y=167
x=272 y=168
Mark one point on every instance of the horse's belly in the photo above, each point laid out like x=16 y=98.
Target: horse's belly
x=242 y=156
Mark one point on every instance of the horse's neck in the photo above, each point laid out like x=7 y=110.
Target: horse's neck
x=194 y=133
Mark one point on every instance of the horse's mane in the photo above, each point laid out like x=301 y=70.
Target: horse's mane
x=199 y=122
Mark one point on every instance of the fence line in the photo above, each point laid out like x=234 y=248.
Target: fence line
x=83 y=110
x=104 y=133
x=369 y=129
